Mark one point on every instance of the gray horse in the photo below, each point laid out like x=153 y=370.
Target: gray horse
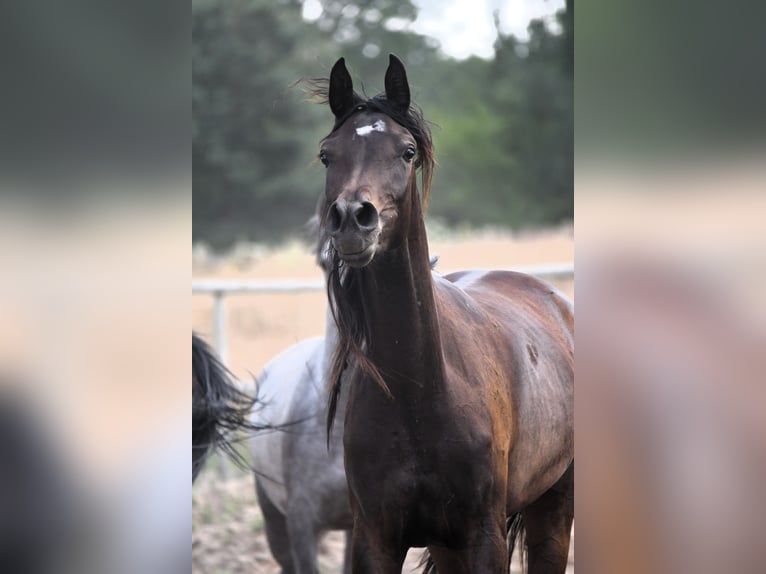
x=301 y=485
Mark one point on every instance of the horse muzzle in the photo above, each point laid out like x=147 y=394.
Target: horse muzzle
x=354 y=227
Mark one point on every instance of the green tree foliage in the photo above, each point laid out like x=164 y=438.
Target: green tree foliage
x=502 y=128
x=538 y=129
x=506 y=145
x=252 y=136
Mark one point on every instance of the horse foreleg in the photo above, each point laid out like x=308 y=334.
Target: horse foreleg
x=347 y=553
x=276 y=531
x=548 y=523
x=485 y=552
x=304 y=535
x=369 y=555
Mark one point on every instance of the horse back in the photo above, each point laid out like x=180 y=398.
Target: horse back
x=521 y=302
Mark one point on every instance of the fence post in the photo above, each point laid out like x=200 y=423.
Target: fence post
x=219 y=325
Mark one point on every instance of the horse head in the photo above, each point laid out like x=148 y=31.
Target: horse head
x=372 y=156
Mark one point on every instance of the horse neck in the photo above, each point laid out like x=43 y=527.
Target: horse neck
x=404 y=341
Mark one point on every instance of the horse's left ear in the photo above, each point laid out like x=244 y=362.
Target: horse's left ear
x=397 y=87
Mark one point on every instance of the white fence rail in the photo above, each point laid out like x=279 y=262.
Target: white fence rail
x=220 y=288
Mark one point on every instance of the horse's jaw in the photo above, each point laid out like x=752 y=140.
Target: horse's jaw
x=360 y=259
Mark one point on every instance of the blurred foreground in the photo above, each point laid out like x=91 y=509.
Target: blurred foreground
x=671 y=401
x=94 y=387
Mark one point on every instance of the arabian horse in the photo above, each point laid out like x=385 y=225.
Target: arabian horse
x=458 y=432
x=219 y=408
x=300 y=479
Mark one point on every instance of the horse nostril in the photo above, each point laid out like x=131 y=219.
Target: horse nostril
x=335 y=218
x=366 y=216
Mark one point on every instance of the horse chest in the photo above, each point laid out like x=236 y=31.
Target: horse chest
x=419 y=504
x=431 y=476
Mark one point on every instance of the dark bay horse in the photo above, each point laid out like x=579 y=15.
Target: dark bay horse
x=219 y=408
x=300 y=477
x=458 y=430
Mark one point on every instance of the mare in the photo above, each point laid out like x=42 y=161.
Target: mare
x=458 y=432
x=300 y=479
x=219 y=408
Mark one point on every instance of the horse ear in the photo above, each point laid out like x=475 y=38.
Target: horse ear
x=341 y=89
x=397 y=88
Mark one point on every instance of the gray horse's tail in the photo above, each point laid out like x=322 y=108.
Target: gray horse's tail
x=219 y=408
x=515 y=535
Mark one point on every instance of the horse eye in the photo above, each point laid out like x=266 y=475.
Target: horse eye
x=323 y=158
x=409 y=153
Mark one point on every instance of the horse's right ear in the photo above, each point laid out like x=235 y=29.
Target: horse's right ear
x=397 y=87
x=341 y=89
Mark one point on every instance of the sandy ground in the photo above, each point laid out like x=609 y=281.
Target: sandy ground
x=227 y=532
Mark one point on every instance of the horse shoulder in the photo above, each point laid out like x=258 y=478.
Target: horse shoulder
x=521 y=325
x=282 y=375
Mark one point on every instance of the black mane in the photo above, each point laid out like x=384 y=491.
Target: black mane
x=342 y=282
